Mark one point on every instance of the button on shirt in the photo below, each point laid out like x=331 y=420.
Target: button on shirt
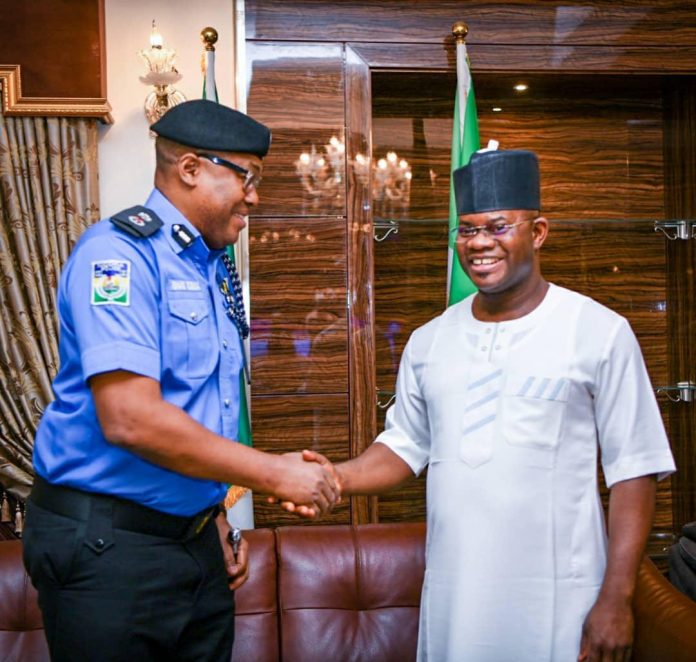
x=151 y=307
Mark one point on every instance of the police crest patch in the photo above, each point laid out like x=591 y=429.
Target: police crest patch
x=111 y=283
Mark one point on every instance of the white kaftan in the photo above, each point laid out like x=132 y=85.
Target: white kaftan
x=509 y=416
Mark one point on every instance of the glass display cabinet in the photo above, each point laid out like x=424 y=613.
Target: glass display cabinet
x=603 y=145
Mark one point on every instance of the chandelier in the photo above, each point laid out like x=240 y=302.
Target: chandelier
x=391 y=185
x=322 y=174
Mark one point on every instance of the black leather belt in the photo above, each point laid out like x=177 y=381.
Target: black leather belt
x=127 y=515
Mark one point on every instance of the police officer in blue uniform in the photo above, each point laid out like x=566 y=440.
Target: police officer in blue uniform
x=124 y=538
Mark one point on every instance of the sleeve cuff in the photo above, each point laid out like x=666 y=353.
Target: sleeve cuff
x=409 y=452
x=121 y=356
x=661 y=464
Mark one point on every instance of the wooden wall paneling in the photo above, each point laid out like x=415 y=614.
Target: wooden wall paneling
x=53 y=58
x=682 y=278
x=362 y=381
x=299 y=337
x=285 y=423
x=410 y=288
x=298 y=263
x=680 y=202
x=606 y=22
x=622 y=265
x=599 y=140
x=599 y=137
x=664 y=523
x=297 y=90
x=516 y=57
x=407 y=503
x=418 y=127
x=59 y=43
x=410 y=264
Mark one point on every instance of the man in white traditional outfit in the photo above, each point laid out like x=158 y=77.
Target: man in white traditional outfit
x=507 y=397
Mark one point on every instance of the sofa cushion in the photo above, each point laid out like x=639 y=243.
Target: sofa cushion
x=354 y=591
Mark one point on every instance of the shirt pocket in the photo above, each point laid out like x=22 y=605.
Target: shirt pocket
x=191 y=334
x=533 y=410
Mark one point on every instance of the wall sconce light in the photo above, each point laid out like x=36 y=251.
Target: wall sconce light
x=162 y=74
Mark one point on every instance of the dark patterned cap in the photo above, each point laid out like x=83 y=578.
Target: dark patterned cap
x=497 y=180
x=208 y=125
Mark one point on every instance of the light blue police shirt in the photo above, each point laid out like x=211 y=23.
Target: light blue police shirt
x=151 y=307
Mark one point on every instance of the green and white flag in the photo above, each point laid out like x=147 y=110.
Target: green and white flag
x=465 y=141
x=240 y=506
x=209 y=87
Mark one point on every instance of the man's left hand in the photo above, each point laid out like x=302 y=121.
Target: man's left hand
x=237 y=568
x=607 y=634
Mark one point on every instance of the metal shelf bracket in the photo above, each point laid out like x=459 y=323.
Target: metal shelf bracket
x=684 y=391
x=390 y=225
x=679 y=229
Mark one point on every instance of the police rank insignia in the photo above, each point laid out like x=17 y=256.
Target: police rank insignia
x=111 y=283
x=137 y=221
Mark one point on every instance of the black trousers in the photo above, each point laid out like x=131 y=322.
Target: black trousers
x=108 y=594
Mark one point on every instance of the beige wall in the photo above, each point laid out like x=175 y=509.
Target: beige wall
x=126 y=156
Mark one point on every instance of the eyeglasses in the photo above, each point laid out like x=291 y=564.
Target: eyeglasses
x=492 y=229
x=251 y=179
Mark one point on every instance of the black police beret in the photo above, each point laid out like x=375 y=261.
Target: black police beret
x=208 y=125
x=498 y=180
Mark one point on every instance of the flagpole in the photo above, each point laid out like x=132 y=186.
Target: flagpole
x=209 y=37
x=459 y=31
x=465 y=141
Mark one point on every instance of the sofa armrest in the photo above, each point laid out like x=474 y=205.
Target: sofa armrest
x=21 y=626
x=256 y=608
x=665 y=619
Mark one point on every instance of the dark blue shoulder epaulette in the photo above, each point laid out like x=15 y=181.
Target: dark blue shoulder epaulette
x=137 y=221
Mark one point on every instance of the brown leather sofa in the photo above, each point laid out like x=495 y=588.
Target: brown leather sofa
x=342 y=594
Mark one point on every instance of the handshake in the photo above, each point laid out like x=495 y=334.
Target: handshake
x=309 y=485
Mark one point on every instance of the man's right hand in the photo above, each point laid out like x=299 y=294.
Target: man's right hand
x=308 y=485
x=376 y=470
